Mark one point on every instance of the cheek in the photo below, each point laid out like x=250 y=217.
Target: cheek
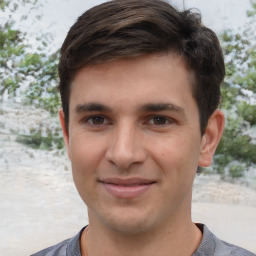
x=176 y=154
x=86 y=154
x=169 y=148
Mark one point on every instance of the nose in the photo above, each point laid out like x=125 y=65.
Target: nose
x=126 y=147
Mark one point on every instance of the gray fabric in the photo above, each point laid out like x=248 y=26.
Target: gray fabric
x=209 y=246
x=212 y=246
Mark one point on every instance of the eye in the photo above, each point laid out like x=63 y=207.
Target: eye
x=96 y=120
x=160 y=120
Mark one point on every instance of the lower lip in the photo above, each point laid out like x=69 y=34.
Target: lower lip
x=126 y=192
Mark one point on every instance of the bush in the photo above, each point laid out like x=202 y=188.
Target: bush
x=37 y=141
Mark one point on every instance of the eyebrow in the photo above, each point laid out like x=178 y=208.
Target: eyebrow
x=149 y=107
x=90 y=107
x=155 y=107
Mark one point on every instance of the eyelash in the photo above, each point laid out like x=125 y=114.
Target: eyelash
x=90 y=118
x=150 y=120
x=167 y=120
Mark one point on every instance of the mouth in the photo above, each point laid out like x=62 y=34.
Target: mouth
x=127 y=188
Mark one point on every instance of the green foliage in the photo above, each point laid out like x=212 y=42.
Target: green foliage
x=229 y=94
x=27 y=71
x=236 y=151
x=248 y=112
x=23 y=70
x=37 y=140
x=43 y=92
x=235 y=145
x=236 y=171
x=11 y=6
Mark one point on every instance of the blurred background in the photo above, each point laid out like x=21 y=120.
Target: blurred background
x=39 y=203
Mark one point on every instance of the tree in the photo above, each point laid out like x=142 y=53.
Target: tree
x=236 y=151
x=29 y=72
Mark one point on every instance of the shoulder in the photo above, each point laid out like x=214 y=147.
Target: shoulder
x=224 y=248
x=68 y=247
x=55 y=250
x=213 y=246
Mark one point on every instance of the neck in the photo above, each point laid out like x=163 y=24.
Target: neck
x=181 y=240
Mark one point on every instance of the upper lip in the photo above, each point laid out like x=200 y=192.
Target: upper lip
x=127 y=181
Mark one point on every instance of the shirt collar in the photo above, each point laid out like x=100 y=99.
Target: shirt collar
x=207 y=245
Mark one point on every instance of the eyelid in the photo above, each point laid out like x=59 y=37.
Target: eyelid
x=168 y=119
x=87 y=118
x=107 y=121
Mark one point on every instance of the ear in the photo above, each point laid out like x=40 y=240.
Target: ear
x=64 y=131
x=211 y=138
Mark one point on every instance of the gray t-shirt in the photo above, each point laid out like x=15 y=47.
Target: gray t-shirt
x=209 y=246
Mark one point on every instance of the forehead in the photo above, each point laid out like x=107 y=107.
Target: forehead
x=145 y=65
x=126 y=85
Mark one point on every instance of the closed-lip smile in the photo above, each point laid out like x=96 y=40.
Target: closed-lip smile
x=126 y=188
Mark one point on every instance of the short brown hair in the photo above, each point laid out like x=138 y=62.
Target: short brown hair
x=131 y=28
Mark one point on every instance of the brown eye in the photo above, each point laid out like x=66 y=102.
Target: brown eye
x=96 y=120
x=158 y=120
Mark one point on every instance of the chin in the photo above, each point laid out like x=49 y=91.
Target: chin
x=130 y=227
x=127 y=221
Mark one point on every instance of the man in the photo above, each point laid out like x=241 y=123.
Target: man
x=140 y=86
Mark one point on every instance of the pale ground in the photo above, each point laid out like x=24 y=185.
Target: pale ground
x=40 y=206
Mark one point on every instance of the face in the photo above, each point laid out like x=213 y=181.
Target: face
x=134 y=142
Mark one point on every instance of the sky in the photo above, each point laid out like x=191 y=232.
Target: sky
x=59 y=15
x=217 y=14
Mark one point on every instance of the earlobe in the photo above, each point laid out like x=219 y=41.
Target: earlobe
x=64 y=131
x=211 y=138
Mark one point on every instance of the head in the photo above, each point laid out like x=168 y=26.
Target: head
x=131 y=28
x=139 y=83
